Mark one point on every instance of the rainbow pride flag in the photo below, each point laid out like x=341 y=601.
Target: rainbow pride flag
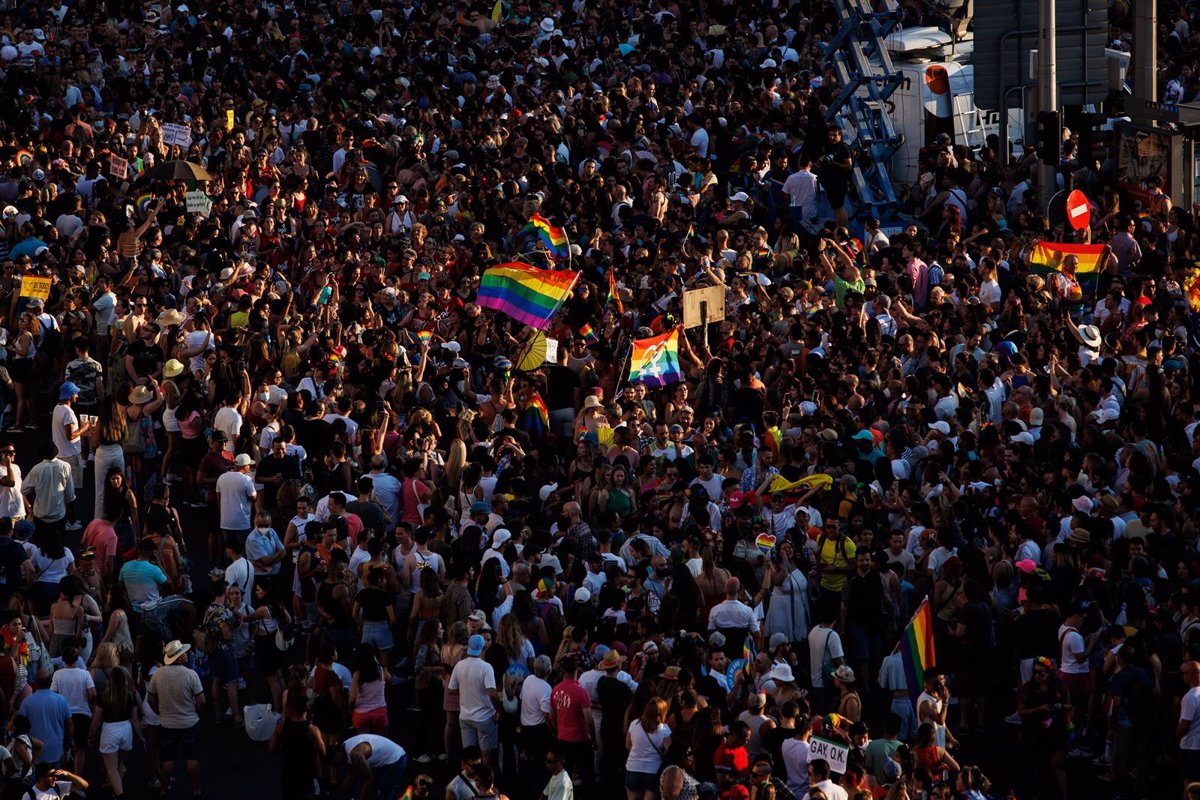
x=917 y=650
x=535 y=418
x=749 y=653
x=655 y=361
x=425 y=337
x=554 y=238
x=613 y=296
x=588 y=332
x=1048 y=257
x=527 y=294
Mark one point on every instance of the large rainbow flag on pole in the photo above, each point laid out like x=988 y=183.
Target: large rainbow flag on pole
x=917 y=649
x=554 y=238
x=527 y=294
x=655 y=361
x=1049 y=256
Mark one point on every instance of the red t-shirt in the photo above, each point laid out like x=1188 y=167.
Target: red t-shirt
x=569 y=700
x=732 y=761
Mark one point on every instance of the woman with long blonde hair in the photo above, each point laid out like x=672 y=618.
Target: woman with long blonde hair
x=647 y=740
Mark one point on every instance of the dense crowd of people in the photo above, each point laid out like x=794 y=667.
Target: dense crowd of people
x=242 y=248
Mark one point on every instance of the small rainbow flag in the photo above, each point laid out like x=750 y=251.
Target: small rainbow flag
x=588 y=332
x=655 y=361
x=917 y=650
x=408 y=793
x=749 y=653
x=613 y=296
x=144 y=202
x=554 y=238
x=1048 y=257
x=527 y=294
x=425 y=337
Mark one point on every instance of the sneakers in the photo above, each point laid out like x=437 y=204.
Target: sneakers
x=1013 y=718
x=1079 y=752
x=423 y=759
x=74 y=526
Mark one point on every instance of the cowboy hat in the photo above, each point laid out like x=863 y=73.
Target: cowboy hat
x=174 y=651
x=140 y=395
x=171 y=317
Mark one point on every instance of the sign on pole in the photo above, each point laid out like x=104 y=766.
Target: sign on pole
x=1079 y=211
x=35 y=286
x=833 y=752
x=702 y=306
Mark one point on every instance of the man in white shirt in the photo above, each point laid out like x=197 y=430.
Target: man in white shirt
x=1188 y=729
x=229 y=420
x=801 y=189
x=473 y=681
x=818 y=778
x=66 y=431
x=535 y=709
x=380 y=759
x=74 y=683
x=11 y=504
x=236 y=493
x=795 y=758
x=732 y=613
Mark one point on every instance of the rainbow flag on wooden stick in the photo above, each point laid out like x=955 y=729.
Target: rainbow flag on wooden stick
x=917 y=649
x=655 y=361
x=527 y=294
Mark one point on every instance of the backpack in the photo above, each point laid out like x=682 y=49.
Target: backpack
x=134 y=443
x=210 y=629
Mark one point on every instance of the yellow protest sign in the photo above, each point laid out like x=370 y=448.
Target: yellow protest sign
x=35 y=286
x=229 y=119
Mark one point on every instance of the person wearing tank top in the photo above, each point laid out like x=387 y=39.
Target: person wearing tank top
x=758 y=721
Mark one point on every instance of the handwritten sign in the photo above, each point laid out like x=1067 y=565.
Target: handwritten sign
x=833 y=752
x=229 y=119
x=198 y=203
x=713 y=297
x=176 y=134
x=35 y=286
x=118 y=167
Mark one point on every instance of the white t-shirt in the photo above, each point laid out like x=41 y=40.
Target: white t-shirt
x=535 y=701
x=11 y=504
x=795 y=762
x=1189 y=712
x=228 y=420
x=194 y=340
x=560 y=787
x=63 y=416
x=820 y=640
x=236 y=490
x=1071 y=645
x=832 y=790
x=471 y=678
x=73 y=684
x=383 y=750
x=646 y=749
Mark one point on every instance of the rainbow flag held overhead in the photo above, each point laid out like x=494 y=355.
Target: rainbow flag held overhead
x=749 y=653
x=655 y=361
x=425 y=337
x=554 y=238
x=1048 y=257
x=917 y=650
x=527 y=294
x=588 y=332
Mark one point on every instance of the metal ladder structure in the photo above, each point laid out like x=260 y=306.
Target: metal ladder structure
x=866 y=80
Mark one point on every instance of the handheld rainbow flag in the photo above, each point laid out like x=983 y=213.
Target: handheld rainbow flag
x=749 y=653
x=588 y=332
x=917 y=650
x=535 y=419
x=425 y=337
x=613 y=296
x=527 y=294
x=144 y=202
x=1048 y=257
x=655 y=361
x=408 y=794
x=554 y=238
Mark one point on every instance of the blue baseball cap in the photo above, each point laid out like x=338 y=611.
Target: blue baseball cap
x=68 y=389
x=475 y=645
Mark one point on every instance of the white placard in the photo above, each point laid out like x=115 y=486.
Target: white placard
x=118 y=167
x=551 y=351
x=833 y=752
x=174 y=133
x=198 y=203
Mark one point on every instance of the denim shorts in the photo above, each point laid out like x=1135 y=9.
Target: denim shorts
x=641 y=782
x=378 y=634
x=224 y=665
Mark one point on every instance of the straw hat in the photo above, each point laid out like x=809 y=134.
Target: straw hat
x=173 y=368
x=140 y=395
x=174 y=651
x=171 y=317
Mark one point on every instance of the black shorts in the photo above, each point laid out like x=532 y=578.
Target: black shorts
x=171 y=739
x=81 y=726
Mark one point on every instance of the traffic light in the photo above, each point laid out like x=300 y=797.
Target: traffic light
x=1092 y=141
x=1049 y=137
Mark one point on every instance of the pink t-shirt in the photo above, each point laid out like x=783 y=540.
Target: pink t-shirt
x=569 y=700
x=102 y=537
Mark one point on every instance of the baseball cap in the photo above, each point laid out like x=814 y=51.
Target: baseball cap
x=68 y=389
x=475 y=646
